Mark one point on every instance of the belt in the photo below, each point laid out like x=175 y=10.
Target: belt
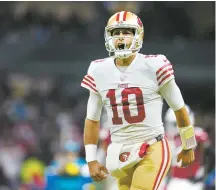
x=156 y=139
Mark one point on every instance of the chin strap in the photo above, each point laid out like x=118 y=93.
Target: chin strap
x=123 y=54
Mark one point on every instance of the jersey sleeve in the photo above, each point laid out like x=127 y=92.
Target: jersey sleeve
x=163 y=70
x=172 y=94
x=94 y=107
x=88 y=81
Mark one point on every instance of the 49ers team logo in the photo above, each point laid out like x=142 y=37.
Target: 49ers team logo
x=139 y=22
x=123 y=157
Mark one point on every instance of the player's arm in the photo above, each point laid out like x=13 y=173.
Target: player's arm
x=182 y=117
x=91 y=136
x=172 y=94
x=92 y=122
x=91 y=133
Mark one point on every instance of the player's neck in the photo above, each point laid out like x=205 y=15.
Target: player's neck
x=125 y=62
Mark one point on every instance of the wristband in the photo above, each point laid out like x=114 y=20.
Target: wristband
x=91 y=152
x=187 y=137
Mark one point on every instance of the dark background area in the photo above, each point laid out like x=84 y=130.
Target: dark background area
x=46 y=48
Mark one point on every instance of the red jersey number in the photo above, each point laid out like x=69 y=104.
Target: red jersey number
x=126 y=110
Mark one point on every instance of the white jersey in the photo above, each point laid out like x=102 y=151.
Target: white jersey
x=131 y=98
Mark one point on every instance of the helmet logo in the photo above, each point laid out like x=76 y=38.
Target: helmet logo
x=120 y=22
x=139 y=22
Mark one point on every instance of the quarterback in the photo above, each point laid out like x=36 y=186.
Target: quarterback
x=131 y=86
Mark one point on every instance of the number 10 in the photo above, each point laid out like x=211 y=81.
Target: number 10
x=125 y=106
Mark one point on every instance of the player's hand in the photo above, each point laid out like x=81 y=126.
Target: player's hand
x=186 y=157
x=97 y=171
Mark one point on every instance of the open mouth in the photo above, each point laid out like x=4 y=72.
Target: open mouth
x=121 y=46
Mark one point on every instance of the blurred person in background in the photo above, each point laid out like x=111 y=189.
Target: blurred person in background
x=11 y=157
x=131 y=86
x=68 y=170
x=192 y=176
x=4 y=184
x=209 y=161
x=209 y=182
x=32 y=173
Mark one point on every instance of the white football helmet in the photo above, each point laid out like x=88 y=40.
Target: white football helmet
x=170 y=120
x=129 y=20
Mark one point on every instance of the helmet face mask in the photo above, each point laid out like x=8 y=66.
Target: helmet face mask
x=131 y=41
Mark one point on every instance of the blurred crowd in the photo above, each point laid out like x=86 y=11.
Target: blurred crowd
x=36 y=122
x=82 y=20
x=38 y=114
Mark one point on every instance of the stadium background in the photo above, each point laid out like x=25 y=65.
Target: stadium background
x=45 y=50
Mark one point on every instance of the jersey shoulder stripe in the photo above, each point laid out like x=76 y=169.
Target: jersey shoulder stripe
x=162 y=68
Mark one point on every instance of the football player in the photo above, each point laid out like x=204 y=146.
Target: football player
x=192 y=176
x=132 y=86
